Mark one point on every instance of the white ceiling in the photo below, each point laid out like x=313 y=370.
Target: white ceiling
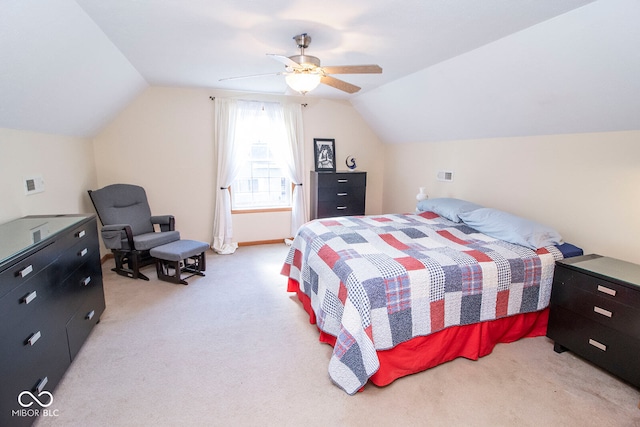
x=69 y=67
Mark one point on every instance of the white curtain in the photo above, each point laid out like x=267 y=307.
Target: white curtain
x=292 y=156
x=232 y=140
x=229 y=151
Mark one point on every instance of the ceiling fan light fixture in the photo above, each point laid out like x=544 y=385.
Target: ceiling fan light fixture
x=303 y=82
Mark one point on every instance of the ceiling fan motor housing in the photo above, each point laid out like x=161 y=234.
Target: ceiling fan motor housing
x=306 y=61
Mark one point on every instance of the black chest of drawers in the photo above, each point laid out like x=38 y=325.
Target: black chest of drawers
x=595 y=313
x=337 y=194
x=51 y=296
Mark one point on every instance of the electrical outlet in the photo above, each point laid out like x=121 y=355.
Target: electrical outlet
x=33 y=185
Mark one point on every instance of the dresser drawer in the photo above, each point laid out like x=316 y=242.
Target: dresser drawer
x=80 y=246
x=607 y=311
x=611 y=349
x=327 y=210
x=342 y=180
x=31 y=368
x=78 y=287
x=341 y=196
x=85 y=318
x=29 y=301
x=19 y=272
x=597 y=286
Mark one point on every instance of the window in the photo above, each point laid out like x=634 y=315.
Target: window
x=261 y=183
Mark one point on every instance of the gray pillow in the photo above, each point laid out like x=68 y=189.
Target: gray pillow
x=511 y=228
x=446 y=207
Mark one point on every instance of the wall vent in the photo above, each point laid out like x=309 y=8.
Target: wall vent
x=446 y=176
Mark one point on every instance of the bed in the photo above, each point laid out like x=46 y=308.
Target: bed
x=400 y=293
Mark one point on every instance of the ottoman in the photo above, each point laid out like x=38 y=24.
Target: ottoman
x=180 y=256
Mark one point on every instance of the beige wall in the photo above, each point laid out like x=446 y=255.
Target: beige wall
x=161 y=142
x=65 y=163
x=587 y=186
x=164 y=142
x=584 y=185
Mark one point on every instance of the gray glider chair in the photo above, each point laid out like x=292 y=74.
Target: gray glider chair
x=128 y=227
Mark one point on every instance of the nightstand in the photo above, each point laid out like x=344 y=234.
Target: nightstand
x=595 y=313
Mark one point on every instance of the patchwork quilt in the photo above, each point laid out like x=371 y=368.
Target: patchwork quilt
x=377 y=281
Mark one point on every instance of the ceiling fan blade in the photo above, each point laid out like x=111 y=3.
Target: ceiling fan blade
x=339 y=84
x=285 y=60
x=353 y=69
x=250 y=76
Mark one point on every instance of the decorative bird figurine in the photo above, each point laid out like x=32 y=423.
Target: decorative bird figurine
x=351 y=162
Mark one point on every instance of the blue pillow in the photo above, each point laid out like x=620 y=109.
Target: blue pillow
x=511 y=228
x=448 y=208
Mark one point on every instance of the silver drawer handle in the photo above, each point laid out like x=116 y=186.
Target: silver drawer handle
x=343 y=194
x=85 y=281
x=606 y=290
x=602 y=311
x=29 y=297
x=341 y=208
x=90 y=315
x=80 y=234
x=343 y=180
x=598 y=345
x=34 y=338
x=43 y=382
x=83 y=252
x=28 y=269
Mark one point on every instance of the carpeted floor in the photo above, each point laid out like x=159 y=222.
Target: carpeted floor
x=233 y=349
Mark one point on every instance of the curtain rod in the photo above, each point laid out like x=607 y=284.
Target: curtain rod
x=213 y=98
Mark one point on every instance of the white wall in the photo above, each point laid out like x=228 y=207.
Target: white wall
x=587 y=186
x=164 y=142
x=65 y=163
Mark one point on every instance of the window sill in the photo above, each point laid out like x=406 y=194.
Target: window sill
x=261 y=210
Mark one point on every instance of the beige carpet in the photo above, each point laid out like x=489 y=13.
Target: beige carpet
x=233 y=348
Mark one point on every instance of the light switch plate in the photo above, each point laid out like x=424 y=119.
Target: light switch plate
x=33 y=184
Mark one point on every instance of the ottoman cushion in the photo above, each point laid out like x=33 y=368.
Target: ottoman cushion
x=179 y=250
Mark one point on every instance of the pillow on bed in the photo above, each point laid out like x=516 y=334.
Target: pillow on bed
x=448 y=208
x=511 y=228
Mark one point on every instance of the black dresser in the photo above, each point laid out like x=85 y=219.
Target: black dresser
x=595 y=313
x=337 y=193
x=51 y=296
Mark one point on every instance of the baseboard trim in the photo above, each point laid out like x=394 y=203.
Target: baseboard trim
x=107 y=257
x=262 y=242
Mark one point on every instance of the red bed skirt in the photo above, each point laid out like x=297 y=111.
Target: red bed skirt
x=421 y=353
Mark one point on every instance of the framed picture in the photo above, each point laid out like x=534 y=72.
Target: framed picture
x=324 y=154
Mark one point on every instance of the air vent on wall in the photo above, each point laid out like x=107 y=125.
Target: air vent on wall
x=445 y=176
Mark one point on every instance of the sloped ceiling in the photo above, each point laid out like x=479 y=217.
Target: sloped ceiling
x=572 y=74
x=452 y=68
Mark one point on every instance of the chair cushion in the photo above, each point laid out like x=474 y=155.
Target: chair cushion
x=124 y=204
x=144 y=242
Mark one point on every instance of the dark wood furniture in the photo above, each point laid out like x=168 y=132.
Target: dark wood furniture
x=51 y=296
x=337 y=193
x=181 y=256
x=595 y=313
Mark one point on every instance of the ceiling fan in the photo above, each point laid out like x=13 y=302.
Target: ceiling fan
x=304 y=73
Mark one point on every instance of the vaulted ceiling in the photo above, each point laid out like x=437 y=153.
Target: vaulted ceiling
x=453 y=69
